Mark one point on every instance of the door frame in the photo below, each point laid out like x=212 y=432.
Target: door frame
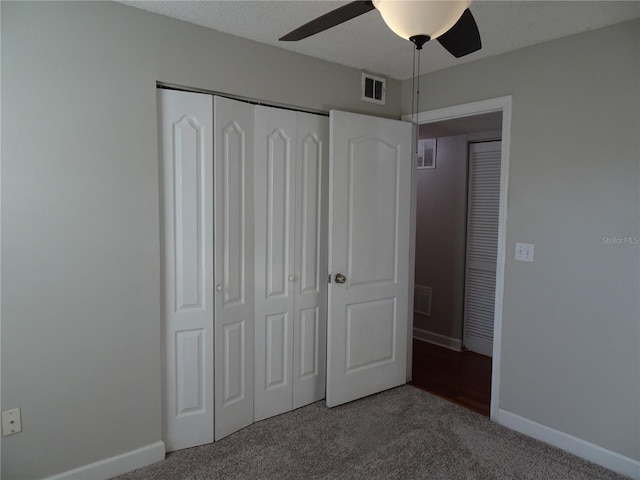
x=499 y=104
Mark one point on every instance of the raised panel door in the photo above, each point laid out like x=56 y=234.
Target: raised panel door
x=369 y=229
x=234 y=266
x=310 y=302
x=275 y=175
x=185 y=124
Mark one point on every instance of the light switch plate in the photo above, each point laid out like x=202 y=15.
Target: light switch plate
x=11 y=422
x=524 y=252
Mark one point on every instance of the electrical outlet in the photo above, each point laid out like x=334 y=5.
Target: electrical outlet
x=524 y=252
x=11 y=422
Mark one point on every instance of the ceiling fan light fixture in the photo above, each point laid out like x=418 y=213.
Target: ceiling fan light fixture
x=411 y=18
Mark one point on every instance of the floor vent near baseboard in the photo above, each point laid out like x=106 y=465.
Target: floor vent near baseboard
x=422 y=300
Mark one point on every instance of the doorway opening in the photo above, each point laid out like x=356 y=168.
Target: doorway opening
x=460 y=217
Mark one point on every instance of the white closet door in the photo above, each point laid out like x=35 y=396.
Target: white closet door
x=234 y=267
x=310 y=303
x=275 y=275
x=370 y=196
x=187 y=170
x=482 y=245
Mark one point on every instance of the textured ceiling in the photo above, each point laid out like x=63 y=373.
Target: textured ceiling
x=366 y=42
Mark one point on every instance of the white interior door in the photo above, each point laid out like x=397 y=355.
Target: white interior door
x=482 y=245
x=310 y=271
x=234 y=266
x=187 y=169
x=274 y=208
x=291 y=287
x=369 y=224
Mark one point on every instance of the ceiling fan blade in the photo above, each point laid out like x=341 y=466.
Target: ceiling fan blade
x=328 y=20
x=463 y=38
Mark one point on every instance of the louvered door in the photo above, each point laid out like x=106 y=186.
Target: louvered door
x=482 y=245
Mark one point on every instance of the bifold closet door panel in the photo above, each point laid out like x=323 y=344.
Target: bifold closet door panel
x=234 y=265
x=274 y=244
x=310 y=272
x=291 y=259
x=186 y=133
x=245 y=261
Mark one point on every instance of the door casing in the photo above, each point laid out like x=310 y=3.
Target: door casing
x=499 y=104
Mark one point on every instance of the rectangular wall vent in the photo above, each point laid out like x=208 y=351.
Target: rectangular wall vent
x=373 y=88
x=422 y=300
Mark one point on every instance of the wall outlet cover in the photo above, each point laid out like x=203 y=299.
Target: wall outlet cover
x=11 y=422
x=524 y=252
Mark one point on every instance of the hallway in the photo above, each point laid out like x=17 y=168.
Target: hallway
x=463 y=378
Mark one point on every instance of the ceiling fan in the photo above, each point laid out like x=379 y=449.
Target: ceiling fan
x=449 y=21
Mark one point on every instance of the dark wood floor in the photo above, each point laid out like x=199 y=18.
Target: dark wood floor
x=460 y=377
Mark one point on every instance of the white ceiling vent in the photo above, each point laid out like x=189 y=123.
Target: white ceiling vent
x=373 y=88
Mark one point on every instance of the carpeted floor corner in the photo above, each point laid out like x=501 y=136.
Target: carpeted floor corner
x=403 y=433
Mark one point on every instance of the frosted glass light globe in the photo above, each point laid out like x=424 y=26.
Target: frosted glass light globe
x=408 y=18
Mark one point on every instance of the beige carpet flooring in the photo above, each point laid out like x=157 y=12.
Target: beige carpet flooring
x=403 y=433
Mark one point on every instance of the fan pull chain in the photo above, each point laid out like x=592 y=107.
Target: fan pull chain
x=415 y=97
x=414 y=107
x=418 y=97
x=418 y=41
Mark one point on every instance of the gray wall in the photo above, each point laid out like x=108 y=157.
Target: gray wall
x=80 y=211
x=571 y=328
x=441 y=220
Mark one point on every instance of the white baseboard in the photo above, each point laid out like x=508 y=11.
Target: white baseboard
x=114 y=466
x=589 y=451
x=437 y=339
